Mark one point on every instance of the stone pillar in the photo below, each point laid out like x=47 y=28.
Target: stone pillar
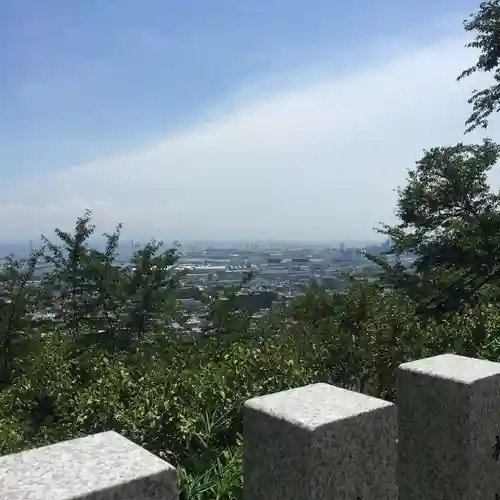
x=319 y=442
x=102 y=466
x=449 y=428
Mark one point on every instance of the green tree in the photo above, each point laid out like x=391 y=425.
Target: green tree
x=19 y=300
x=486 y=24
x=449 y=222
x=69 y=280
x=104 y=302
x=148 y=299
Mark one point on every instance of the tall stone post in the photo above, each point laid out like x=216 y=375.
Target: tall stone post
x=103 y=466
x=449 y=429
x=319 y=442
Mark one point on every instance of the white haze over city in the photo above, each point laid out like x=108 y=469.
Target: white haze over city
x=317 y=160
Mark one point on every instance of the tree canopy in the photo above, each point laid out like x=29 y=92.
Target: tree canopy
x=449 y=224
x=485 y=23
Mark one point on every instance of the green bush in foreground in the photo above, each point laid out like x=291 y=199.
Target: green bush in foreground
x=184 y=403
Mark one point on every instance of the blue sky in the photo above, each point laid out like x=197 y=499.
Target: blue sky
x=109 y=93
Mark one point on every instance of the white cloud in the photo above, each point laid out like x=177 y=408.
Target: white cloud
x=317 y=161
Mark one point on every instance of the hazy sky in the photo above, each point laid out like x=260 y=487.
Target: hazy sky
x=280 y=119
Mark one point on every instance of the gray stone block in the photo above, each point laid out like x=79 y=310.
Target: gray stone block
x=449 y=428
x=319 y=442
x=102 y=466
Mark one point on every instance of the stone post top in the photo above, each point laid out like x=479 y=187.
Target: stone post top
x=315 y=405
x=453 y=367
x=84 y=467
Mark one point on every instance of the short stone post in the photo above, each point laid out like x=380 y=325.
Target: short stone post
x=102 y=466
x=449 y=429
x=319 y=442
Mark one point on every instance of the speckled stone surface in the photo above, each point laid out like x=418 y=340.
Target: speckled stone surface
x=319 y=442
x=103 y=466
x=449 y=420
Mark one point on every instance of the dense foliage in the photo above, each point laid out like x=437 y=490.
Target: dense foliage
x=450 y=222
x=109 y=358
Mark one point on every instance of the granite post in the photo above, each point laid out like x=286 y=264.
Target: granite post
x=103 y=466
x=449 y=428
x=319 y=442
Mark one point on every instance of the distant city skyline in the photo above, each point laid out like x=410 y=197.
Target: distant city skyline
x=228 y=120
x=36 y=242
